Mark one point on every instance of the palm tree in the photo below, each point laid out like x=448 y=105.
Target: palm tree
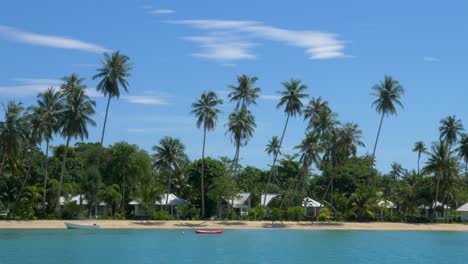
x=244 y=93
x=241 y=125
x=273 y=147
x=419 y=147
x=13 y=132
x=463 y=151
x=75 y=118
x=350 y=136
x=206 y=111
x=441 y=163
x=169 y=155
x=396 y=171
x=309 y=150
x=321 y=118
x=115 y=69
x=450 y=129
x=50 y=104
x=388 y=94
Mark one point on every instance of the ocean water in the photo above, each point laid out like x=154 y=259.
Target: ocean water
x=234 y=246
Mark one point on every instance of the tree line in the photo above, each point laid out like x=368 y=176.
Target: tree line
x=324 y=164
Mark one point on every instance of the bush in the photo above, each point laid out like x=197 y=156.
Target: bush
x=296 y=213
x=162 y=215
x=187 y=212
x=276 y=214
x=252 y=214
x=325 y=215
x=261 y=210
x=70 y=210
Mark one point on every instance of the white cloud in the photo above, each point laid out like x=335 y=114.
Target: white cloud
x=162 y=11
x=431 y=59
x=317 y=44
x=270 y=97
x=49 y=41
x=146 y=100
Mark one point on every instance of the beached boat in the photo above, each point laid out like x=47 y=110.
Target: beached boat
x=78 y=226
x=209 y=232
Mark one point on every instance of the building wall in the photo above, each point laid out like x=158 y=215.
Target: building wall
x=464 y=216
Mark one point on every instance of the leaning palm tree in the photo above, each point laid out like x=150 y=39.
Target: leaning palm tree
x=441 y=163
x=463 y=151
x=350 y=136
x=50 y=104
x=309 y=151
x=13 y=133
x=450 y=129
x=241 y=125
x=388 y=94
x=245 y=93
x=74 y=122
x=168 y=157
x=419 y=147
x=114 y=72
x=206 y=110
x=273 y=148
x=321 y=119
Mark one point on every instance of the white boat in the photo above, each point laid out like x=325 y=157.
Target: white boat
x=78 y=226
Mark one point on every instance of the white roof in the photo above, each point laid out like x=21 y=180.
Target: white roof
x=437 y=204
x=269 y=197
x=240 y=200
x=172 y=200
x=386 y=204
x=463 y=208
x=76 y=199
x=309 y=202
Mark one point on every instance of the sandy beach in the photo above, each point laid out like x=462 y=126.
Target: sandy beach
x=136 y=224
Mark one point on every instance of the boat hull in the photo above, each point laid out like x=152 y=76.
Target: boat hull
x=78 y=226
x=208 y=232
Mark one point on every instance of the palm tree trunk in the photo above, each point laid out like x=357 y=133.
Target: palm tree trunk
x=62 y=172
x=436 y=199
x=124 y=183
x=375 y=146
x=419 y=158
x=102 y=134
x=20 y=193
x=275 y=158
x=466 y=168
x=203 y=174
x=46 y=176
x=235 y=161
x=168 y=187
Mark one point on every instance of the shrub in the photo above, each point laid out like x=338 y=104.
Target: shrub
x=296 y=213
x=325 y=215
x=162 y=215
x=70 y=210
x=187 y=212
x=276 y=214
x=252 y=214
x=260 y=212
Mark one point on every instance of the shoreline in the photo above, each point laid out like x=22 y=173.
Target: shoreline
x=265 y=225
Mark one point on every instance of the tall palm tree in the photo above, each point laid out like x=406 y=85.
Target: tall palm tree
x=245 y=93
x=419 y=147
x=350 y=136
x=309 y=150
x=450 y=129
x=114 y=72
x=50 y=104
x=74 y=121
x=71 y=83
x=396 y=171
x=241 y=125
x=169 y=155
x=206 y=110
x=13 y=132
x=273 y=147
x=388 y=95
x=463 y=151
x=321 y=118
x=441 y=163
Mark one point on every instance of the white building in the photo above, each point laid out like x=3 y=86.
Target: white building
x=464 y=212
x=384 y=206
x=313 y=207
x=266 y=201
x=241 y=203
x=80 y=199
x=440 y=210
x=172 y=201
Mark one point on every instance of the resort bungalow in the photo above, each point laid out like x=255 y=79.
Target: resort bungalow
x=241 y=203
x=99 y=210
x=172 y=202
x=440 y=210
x=312 y=206
x=464 y=212
x=385 y=206
x=266 y=201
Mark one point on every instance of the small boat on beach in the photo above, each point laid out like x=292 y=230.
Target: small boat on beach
x=209 y=232
x=78 y=226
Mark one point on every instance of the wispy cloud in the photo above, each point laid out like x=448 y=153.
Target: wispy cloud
x=431 y=59
x=145 y=100
x=162 y=11
x=233 y=39
x=25 y=87
x=17 y=35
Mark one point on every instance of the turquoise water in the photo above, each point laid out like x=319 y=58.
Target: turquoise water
x=234 y=246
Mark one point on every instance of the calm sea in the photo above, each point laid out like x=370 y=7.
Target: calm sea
x=234 y=246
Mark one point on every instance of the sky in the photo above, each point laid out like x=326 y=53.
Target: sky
x=179 y=49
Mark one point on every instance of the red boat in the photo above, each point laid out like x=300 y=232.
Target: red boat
x=209 y=232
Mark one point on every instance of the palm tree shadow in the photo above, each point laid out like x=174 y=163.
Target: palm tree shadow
x=190 y=225
x=149 y=223
x=230 y=223
x=321 y=224
x=274 y=225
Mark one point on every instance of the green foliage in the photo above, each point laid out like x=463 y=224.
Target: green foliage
x=188 y=212
x=162 y=215
x=325 y=215
x=296 y=213
x=277 y=214
x=70 y=210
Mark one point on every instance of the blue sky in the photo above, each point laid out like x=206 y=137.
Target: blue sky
x=340 y=49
